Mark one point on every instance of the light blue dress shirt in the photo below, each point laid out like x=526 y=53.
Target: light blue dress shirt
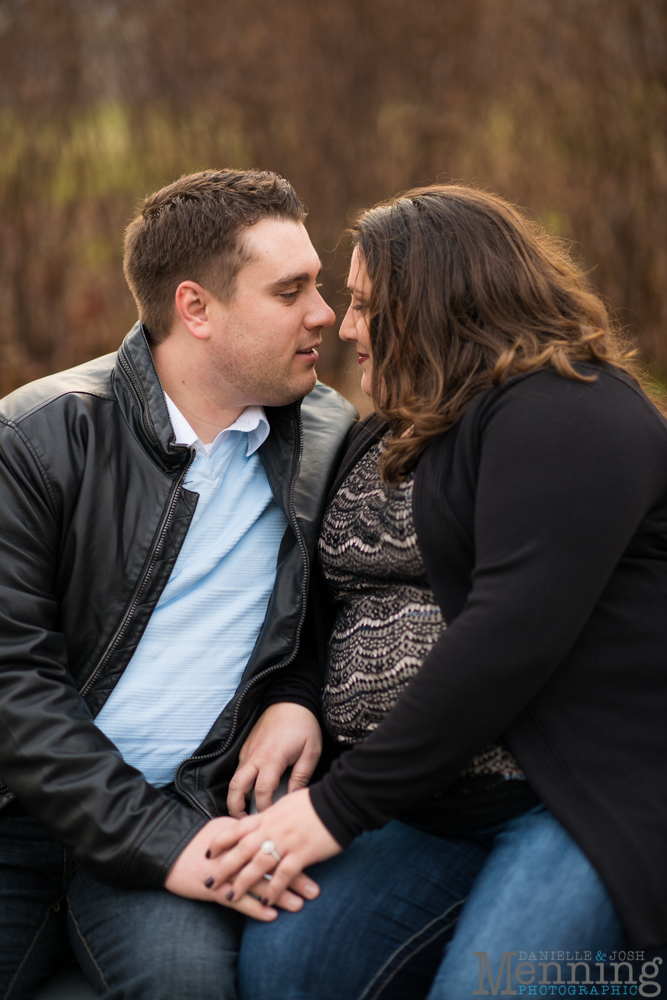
x=194 y=650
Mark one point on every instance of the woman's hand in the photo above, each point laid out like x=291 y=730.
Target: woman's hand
x=193 y=874
x=300 y=839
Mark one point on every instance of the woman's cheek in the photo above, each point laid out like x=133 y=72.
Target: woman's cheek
x=367 y=377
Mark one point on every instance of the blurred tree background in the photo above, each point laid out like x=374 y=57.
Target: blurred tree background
x=560 y=105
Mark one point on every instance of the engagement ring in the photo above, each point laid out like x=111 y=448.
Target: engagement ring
x=268 y=847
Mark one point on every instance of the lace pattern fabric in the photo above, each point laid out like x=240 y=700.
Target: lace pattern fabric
x=387 y=617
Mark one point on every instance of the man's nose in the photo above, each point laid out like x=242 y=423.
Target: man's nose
x=321 y=315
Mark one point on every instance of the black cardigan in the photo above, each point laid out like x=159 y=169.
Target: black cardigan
x=542 y=519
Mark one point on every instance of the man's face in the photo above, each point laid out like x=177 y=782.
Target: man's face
x=264 y=342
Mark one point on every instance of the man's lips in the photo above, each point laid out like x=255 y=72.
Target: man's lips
x=310 y=352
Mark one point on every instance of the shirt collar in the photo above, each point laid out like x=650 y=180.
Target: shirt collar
x=252 y=421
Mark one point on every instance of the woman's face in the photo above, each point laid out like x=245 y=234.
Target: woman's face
x=354 y=327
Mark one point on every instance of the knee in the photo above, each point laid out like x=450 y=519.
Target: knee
x=178 y=950
x=271 y=962
x=187 y=970
x=181 y=970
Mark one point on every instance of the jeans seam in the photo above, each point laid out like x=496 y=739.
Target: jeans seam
x=366 y=993
x=87 y=947
x=29 y=949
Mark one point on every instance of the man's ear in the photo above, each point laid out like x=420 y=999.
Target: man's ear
x=192 y=302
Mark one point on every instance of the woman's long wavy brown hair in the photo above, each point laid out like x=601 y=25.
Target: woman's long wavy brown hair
x=467 y=292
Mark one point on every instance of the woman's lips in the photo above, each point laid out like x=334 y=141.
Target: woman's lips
x=362 y=358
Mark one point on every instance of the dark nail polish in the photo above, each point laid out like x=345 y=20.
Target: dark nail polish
x=230 y=895
x=264 y=902
x=209 y=882
x=208 y=854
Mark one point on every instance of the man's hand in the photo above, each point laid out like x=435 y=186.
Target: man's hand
x=285 y=735
x=193 y=876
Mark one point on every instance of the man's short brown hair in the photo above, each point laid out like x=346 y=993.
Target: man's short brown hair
x=193 y=229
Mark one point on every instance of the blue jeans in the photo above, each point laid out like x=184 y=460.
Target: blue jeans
x=402 y=911
x=133 y=944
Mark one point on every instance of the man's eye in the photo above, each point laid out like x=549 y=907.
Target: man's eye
x=289 y=295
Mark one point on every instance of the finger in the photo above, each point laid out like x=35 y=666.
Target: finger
x=282 y=877
x=287 y=900
x=231 y=862
x=247 y=875
x=240 y=787
x=254 y=908
x=267 y=781
x=227 y=838
x=245 y=904
x=305 y=886
x=302 y=771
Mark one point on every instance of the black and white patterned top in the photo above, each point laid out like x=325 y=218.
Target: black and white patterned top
x=387 y=618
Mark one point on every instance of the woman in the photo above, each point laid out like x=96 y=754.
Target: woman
x=497 y=553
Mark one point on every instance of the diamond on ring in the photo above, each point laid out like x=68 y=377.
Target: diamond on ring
x=268 y=847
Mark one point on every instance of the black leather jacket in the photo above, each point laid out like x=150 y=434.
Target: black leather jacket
x=93 y=516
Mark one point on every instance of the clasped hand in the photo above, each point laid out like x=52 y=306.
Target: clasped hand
x=224 y=863
x=300 y=840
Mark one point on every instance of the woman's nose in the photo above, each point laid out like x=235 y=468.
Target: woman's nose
x=347 y=329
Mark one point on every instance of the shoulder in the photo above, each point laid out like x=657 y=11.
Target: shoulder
x=327 y=416
x=94 y=378
x=44 y=423
x=361 y=438
x=546 y=403
x=543 y=420
x=370 y=429
x=325 y=401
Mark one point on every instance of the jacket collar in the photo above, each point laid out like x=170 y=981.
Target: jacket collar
x=141 y=397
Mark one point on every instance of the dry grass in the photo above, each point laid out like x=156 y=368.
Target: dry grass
x=557 y=104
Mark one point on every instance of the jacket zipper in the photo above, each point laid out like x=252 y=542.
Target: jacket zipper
x=139 y=393
x=141 y=586
x=129 y=613
x=277 y=666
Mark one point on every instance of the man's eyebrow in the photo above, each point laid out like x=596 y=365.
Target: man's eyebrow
x=291 y=279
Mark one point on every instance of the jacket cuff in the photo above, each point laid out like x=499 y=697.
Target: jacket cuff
x=153 y=855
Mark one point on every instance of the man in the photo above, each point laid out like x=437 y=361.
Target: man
x=159 y=515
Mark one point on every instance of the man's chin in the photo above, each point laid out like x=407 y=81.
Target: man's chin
x=283 y=395
x=313 y=383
